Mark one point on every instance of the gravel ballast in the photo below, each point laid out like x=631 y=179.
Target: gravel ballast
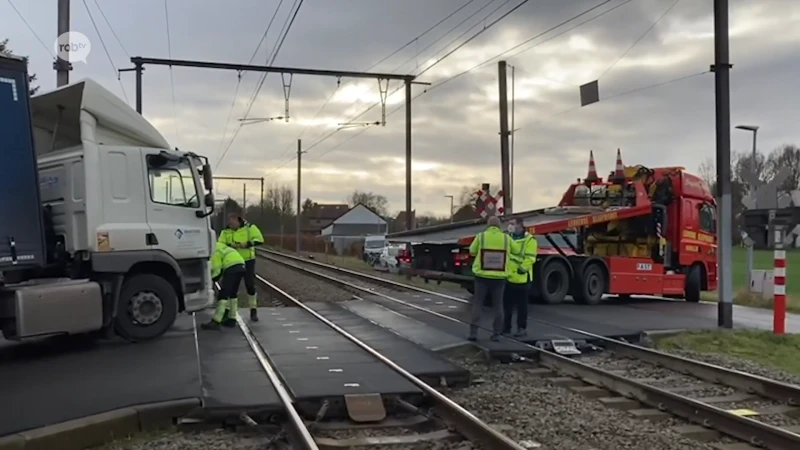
x=559 y=419
x=302 y=286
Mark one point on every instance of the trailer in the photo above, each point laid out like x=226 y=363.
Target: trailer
x=643 y=232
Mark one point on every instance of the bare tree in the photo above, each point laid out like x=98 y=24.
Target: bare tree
x=708 y=171
x=376 y=202
x=787 y=155
x=285 y=200
x=5 y=50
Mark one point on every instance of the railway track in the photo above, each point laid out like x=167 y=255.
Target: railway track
x=445 y=421
x=720 y=404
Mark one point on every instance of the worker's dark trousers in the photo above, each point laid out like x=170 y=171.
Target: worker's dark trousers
x=250 y=277
x=515 y=299
x=229 y=285
x=494 y=288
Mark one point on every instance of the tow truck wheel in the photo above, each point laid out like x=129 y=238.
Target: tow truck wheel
x=693 y=284
x=591 y=285
x=148 y=306
x=552 y=283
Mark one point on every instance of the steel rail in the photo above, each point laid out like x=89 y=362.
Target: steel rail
x=300 y=437
x=466 y=423
x=773 y=389
x=744 y=428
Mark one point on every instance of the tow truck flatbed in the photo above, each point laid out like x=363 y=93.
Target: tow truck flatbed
x=537 y=222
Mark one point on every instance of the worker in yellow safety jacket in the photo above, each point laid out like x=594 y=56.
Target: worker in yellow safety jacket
x=520 y=277
x=491 y=250
x=245 y=237
x=227 y=267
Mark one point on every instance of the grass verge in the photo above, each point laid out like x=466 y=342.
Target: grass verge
x=758 y=346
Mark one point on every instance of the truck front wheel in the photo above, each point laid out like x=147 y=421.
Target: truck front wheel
x=694 y=281
x=148 y=306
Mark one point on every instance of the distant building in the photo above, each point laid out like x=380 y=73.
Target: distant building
x=399 y=223
x=320 y=216
x=352 y=226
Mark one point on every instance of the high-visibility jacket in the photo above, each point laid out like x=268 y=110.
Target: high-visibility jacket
x=247 y=234
x=523 y=259
x=492 y=251
x=224 y=258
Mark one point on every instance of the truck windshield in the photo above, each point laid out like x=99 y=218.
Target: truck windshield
x=375 y=244
x=172 y=181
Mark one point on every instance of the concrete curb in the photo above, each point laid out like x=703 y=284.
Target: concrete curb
x=99 y=429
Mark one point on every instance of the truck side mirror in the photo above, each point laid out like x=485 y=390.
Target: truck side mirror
x=208 y=178
x=209 y=200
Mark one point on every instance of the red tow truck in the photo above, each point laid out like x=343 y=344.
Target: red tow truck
x=642 y=232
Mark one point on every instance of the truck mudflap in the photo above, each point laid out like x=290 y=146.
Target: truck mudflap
x=51 y=306
x=198 y=301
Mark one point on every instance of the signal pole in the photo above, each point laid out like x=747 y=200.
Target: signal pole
x=61 y=66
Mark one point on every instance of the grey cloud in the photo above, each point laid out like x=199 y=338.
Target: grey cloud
x=456 y=125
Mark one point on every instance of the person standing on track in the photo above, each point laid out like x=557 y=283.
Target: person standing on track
x=227 y=266
x=491 y=250
x=520 y=276
x=244 y=237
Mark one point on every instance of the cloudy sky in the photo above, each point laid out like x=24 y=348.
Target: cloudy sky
x=455 y=141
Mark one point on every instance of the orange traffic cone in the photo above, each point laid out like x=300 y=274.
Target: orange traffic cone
x=592 y=175
x=619 y=170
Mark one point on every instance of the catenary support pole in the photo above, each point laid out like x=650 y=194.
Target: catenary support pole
x=779 y=276
x=299 y=185
x=409 y=219
x=261 y=203
x=722 y=68
x=505 y=160
x=62 y=66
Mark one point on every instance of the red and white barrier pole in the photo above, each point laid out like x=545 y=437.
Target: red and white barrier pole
x=779 y=296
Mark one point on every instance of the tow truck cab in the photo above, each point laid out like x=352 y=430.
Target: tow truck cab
x=644 y=231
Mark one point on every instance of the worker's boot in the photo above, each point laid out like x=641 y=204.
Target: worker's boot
x=210 y=325
x=227 y=320
x=254 y=314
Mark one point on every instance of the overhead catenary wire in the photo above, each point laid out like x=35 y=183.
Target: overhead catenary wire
x=119 y=41
x=35 y=34
x=517 y=46
x=273 y=56
x=387 y=57
x=241 y=75
x=431 y=66
x=105 y=49
x=639 y=39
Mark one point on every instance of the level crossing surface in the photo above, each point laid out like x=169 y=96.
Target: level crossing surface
x=316 y=362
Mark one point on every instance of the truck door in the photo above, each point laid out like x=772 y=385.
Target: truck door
x=173 y=204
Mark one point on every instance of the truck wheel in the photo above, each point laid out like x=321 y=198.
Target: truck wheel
x=694 y=284
x=552 y=283
x=591 y=285
x=148 y=306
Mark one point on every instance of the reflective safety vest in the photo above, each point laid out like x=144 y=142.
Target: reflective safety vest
x=247 y=233
x=224 y=258
x=492 y=251
x=524 y=258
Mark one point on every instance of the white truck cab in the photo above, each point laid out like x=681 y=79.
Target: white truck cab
x=126 y=223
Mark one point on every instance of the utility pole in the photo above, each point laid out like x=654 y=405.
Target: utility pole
x=451 y=206
x=512 y=132
x=505 y=161
x=62 y=66
x=299 y=173
x=721 y=70
x=409 y=221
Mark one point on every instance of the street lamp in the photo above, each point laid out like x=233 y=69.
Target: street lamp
x=451 y=206
x=754 y=129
